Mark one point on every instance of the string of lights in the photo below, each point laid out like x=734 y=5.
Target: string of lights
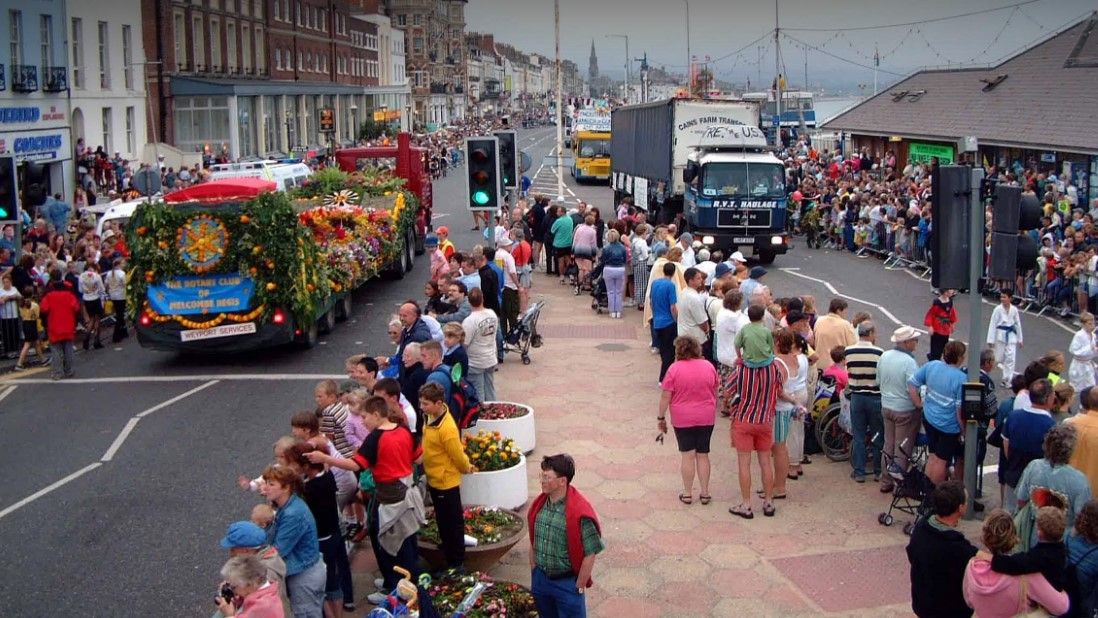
x=837 y=57
x=920 y=21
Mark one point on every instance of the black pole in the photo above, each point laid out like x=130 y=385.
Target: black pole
x=161 y=100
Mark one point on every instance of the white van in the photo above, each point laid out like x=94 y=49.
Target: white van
x=286 y=175
x=118 y=213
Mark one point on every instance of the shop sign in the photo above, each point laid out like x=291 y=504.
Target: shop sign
x=46 y=145
x=327 y=120
x=30 y=114
x=923 y=153
x=1048 y=157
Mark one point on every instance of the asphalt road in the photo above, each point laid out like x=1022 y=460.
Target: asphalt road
x=102 y=515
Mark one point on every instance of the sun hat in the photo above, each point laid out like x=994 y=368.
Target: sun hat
x=722 y=270
x=738 y=257
x=904 y=333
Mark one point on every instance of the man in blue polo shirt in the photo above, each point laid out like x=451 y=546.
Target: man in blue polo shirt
x=664 y=294
x=944 y=381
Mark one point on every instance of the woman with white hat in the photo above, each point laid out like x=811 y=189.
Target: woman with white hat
x=902 y=416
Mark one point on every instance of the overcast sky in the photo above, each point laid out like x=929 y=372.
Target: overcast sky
x=719 y=27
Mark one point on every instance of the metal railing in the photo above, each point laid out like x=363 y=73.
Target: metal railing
x=24 y=78
x=55 y=79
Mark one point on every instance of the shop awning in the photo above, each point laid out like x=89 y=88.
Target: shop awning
x=222 y=190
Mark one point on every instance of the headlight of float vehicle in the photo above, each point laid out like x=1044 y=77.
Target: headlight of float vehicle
x=708 y=240
x=776 y=240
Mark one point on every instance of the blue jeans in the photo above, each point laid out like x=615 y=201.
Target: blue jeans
x=484 y=380
x=306 y=591
x=556 y=598
x=338 y=584
x=405 y=557
x=848 y=237
x=865 y=416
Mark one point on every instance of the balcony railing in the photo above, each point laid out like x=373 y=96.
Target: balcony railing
x=3 y=78
x=24 y=77
x=55 y=79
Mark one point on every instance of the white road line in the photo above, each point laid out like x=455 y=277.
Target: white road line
x=239 y=377
x=181 y=396
x=47 y=489
x=831 y=288
x=117 y=444
x=7 y=391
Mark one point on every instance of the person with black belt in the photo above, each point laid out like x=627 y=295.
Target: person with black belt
x=865 y=401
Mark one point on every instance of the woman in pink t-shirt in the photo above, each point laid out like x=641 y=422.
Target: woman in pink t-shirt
x=690 y=393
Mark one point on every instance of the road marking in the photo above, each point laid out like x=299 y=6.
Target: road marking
x=181 y=396
x=132 y=423
x=238 y=377
x=7 y=391
x=831 y=288
x=47 y=489
x=12 y=377
x=117 y=444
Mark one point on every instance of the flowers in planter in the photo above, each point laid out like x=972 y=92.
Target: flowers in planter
x=486 y=524
x=491 y=451
x=498 y=600
x=498 y=411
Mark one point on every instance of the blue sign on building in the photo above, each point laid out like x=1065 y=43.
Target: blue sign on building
x=202 y=294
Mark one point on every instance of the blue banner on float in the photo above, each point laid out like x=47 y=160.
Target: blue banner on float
x=202 y=294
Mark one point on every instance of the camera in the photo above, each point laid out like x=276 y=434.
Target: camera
x=227 y=592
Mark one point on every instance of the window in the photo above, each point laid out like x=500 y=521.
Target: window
x=246 y=46
x=297 y=7
x=104 y=57
x=131 y=147
x=246 y=8
x=278 y=10
x=127 y=57
x=215 y=44
x=198 y=39
x=261 y=51
x=77 y=52
x=107 y=143
x=257 y=9
x=402 y=20
x=417 y=45
x=278 y=59
x=300 y=61
x=15 y=36
x=45 y=24
x=417 y=19
x=179 y=34
x=230 y=45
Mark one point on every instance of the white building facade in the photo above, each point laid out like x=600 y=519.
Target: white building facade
x=393 y=96
x=107 y=77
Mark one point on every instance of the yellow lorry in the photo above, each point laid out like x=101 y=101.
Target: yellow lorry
x=591 y=155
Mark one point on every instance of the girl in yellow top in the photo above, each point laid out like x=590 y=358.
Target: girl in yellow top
x=28 y=315
x=444 y=461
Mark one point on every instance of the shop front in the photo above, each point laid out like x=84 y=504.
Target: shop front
x=38 y=136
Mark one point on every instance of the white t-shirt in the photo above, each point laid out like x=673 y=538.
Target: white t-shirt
x=91 y=285
x=692 y=315
x=409 y=412
x=116 y=284
x=729 y=324
x=9 y=306
x=506 y=262
x=709 y=268
x=688 y=260
x=433 y=326
x=480 y=338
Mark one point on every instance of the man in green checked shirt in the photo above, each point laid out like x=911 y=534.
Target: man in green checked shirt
x=565 y=537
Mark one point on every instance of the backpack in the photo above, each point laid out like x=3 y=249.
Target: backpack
x=461 y=397
x=1084 y=603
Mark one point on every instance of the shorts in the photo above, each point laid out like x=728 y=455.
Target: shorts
x=752 y=436
x=562 y=251
x=694 y=438
x=30 y=332
x=782 y=421
x=944 y=446
x=94 y=308
x=525 y=280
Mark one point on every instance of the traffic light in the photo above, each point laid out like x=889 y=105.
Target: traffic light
x=950 y=207
x=482 y=173
x=1011 y=250
x=508 y=159
x=9 y=192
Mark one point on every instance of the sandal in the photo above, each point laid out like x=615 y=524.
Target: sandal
x=793 y=477
x=768 y=509
x=686 y=499
x=743 y=511
x=774 y=497
x=705 y=498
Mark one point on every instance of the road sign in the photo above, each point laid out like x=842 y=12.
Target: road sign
x=524 y=162
x=776 y=121
x=147 y=181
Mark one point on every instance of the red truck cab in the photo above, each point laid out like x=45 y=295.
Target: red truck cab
x=411 y=163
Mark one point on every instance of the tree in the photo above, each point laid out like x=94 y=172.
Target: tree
x=371 y=129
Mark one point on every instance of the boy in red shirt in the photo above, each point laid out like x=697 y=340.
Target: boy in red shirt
x=59 y=309
x=941 y=318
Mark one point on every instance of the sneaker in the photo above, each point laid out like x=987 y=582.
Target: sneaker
x=379 y=583
x=45 y=362
x=376 y=598
x=19 y=367
x=858 y=478
x=895 y=471
x=349 y=607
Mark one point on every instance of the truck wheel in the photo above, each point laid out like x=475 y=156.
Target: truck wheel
x=343 y=308
x=327 y=322
x=766 y=257
x=308 y=337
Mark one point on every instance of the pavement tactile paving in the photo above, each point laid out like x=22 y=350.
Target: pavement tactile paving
x=823 y=554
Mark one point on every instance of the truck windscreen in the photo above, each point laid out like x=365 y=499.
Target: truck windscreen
x=743 y=180
x=594 y=148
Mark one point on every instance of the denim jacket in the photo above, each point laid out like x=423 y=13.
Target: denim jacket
x=293 y=534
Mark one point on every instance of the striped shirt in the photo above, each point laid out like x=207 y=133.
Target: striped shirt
x=758 y=390
x=861 y=364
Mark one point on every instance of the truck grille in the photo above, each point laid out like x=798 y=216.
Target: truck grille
x=743 y=217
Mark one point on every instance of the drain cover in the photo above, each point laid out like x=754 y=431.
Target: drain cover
x=612 y=347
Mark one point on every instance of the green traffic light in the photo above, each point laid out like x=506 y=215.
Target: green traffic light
x=480 y=197
x=3 y=213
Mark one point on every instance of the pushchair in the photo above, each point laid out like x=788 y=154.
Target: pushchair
x=600 y=298
x=407 y=599
x=911 y=493
x=524 y=334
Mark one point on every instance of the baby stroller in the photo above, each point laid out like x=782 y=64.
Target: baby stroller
x=407 y=599
x=911 y=493
x=524 y=334
x=601 y=300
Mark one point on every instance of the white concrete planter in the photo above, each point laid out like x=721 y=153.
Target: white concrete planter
x=506 y=489
x=522 y=429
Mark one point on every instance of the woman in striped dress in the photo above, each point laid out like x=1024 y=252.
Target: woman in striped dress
x=640 y=264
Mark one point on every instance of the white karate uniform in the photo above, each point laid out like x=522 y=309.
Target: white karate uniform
x=1004 y=340
x=1081 y=369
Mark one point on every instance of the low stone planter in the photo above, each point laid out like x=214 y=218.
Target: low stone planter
x=506 y=489
x=521 y=429
x=480 y=558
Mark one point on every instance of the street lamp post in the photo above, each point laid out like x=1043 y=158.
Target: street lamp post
x=689 y=61
x=354 y=122
x=560 y=115
x=627 y=62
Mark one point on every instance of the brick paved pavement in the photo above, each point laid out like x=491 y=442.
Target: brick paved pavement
x=823 y=554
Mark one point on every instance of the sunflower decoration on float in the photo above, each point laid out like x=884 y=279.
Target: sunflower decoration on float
x=344 y=197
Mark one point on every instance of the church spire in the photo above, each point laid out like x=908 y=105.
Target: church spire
x=593 y=63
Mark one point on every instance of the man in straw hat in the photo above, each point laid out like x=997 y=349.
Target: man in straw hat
x=902 y=417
